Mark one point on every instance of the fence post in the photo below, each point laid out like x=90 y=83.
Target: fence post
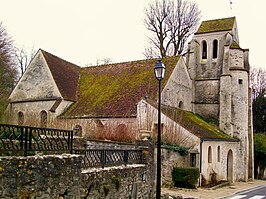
x=25 y=129
x=30 y=138
x=125 y=157
x=21 y=137
x=103 y=158
x=70 y=142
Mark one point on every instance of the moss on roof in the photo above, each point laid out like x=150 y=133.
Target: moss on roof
x=234 y=45
x=216 y=25
x=114 y=90
x=195 y=124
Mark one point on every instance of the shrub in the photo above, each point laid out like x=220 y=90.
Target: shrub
x=182 y=150
x=185 y=177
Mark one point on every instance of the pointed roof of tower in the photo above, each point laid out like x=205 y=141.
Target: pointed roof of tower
x=65 y=74
x=216 y=25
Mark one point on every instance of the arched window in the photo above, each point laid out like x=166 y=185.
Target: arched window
x=209 y=154
x=215 y=49
x=78 y=130
x=20 y=118
x=43 y=119
x=204 y=49
x=218 y=154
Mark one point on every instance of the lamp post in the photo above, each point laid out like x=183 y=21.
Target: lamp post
x=159 y=70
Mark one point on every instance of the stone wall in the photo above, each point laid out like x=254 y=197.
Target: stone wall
x=62 y=177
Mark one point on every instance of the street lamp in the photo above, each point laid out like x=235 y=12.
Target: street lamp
x=159 y=70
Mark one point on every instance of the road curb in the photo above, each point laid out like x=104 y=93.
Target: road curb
x=243 y=191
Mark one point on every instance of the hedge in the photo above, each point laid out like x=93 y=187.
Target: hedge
x=185 y=177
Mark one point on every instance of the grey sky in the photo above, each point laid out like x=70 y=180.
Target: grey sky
x=83 y=31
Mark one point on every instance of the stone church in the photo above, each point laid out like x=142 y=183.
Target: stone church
x=206 y=100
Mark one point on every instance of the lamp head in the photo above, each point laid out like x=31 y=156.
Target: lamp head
x=159 y=70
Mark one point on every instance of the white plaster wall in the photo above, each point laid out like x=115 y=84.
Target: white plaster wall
x=220 y=167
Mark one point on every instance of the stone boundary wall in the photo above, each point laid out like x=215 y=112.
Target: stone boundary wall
x=61 y=176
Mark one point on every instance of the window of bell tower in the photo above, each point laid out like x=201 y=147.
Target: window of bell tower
x=215 y=49
x=204 y=49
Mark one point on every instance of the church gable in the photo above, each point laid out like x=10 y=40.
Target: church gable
x=36 y=83
x=178 y=89
x=47 y=77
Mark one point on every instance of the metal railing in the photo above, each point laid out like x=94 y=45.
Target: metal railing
x=26 y=139
x=110 y=157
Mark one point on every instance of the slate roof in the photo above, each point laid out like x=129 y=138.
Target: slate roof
x=65 y=74
x=195 y=124
x=114 y=90
x=216 y=25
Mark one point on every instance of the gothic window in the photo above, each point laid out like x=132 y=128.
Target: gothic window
x=204 y=49
x=240 y=81
x=43 y=119
x=78 y=130
x=20 y=118
x=209 y=154
x=215 y=49
x=218 y=154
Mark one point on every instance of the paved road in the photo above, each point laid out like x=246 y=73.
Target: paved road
x=255 y=193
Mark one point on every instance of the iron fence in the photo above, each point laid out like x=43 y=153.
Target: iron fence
x=110 y=157
x=26 y=139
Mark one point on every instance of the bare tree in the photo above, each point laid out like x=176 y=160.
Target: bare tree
x=257 y=81
x=8 y=72
x=103 y=61
x=23 y=58
x=171 y=23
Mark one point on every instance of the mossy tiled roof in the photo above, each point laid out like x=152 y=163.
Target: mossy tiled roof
x=65 y=74
x=216 y=25
x=195 y=124
x=114 y=90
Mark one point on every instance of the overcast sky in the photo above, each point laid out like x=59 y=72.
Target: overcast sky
x=83 y=31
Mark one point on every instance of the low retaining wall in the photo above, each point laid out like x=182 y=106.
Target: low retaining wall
x=62 y=176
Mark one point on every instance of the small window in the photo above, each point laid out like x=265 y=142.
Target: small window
x=43 y=119
x=209 y=154
x=20 y=118
x=204 y=49
x=215 y=49
x=218 y=154
x=78 y=130
x=181 y=105
x=240 y=81
x=193 y=158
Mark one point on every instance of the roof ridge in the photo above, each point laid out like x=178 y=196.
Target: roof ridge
x=128 y=62
x=224 y=18
x=58 y=57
